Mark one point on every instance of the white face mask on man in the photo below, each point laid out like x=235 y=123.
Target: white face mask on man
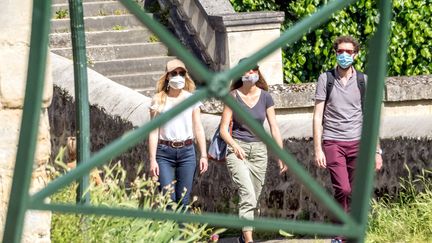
x=251 y=78
x=176 y=82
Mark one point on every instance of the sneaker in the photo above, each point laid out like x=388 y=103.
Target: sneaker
x=336 y=240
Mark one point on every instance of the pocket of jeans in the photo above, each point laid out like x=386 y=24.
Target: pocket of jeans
x=162 y=147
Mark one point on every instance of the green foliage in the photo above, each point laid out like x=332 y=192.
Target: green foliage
x=61 y=14
x=253 y=5
x=153 y=38
x=410 y=52
x=406 y=218
x=141 y=193
x=120 y=12
x=118 y=27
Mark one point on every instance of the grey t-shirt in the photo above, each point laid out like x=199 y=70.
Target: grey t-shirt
x=343 y=115
x=258 y=112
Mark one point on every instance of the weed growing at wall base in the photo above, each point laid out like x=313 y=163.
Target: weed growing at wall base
x=406 y=218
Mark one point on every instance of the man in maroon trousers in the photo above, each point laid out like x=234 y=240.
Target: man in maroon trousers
x=337 y=121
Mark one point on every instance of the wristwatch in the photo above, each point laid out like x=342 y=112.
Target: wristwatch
x=379 y=151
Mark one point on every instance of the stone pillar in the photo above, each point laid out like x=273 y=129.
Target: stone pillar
x=242 y=34
x=15 y=22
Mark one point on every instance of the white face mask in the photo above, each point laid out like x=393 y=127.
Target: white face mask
x=251 y=78
x=177 y=82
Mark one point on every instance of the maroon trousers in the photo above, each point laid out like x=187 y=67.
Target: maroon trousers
x=341 y=158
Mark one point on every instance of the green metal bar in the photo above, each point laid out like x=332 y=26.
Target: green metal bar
x=377 y=70
x=193 y=64
x=19 y=197
x=308 y=181
x=81 y=94
x=218 y=87
x=117 y=147
x=212 y=219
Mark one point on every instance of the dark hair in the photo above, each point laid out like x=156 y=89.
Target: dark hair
x=261 y=83
x=346 y=39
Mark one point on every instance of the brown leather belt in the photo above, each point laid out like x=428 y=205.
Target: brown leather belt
x=176 y=144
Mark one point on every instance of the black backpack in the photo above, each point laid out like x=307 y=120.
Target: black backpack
x=361 y=84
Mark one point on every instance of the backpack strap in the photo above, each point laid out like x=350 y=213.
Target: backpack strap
x=361 y=84
x=330 y=83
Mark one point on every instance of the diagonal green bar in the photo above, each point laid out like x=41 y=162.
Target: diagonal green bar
x=19 y=196
x=212 y=219
x=308 y=181
x=193 y=64
x=376 y=70
x=350 y=229
x=119 y=146
x=81 y=93
x=290 y=36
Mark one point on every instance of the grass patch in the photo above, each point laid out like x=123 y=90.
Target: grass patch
x=153 y=38
x=61 y=14
x=408 y=216
x=142 y=193
x=118 y=27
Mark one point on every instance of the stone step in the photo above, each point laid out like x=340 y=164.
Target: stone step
x=96 y=38
x=129 y=66
x=84 y=1
x=98 y=23
x=111 y=52
x=138 y=80
x=91 y=9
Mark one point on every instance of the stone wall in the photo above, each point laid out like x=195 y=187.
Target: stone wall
x=104 y=128
x=406 y=138
x=284 y=196
x=14 y=49
x=114 y=110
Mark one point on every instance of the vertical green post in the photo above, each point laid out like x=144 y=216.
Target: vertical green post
x=19 y=197
x=377 y=70
x=81 y=94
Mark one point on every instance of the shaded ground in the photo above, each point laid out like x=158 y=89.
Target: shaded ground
x=234 y=240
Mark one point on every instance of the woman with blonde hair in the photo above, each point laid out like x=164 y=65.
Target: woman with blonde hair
x=171 y=151
x=247 y=154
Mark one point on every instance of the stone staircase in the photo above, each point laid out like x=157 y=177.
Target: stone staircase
x=118 y=45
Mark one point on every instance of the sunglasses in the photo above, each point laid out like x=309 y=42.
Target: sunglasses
x=340 y=51
x=175 y=73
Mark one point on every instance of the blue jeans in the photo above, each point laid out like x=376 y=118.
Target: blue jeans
x=177 y=164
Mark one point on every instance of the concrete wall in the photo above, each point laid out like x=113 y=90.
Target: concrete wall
x=406 y=133
x=15 y=20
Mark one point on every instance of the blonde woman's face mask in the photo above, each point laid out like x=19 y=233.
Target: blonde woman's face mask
x=176 y=82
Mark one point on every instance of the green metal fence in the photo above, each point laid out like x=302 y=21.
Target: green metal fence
x=217 y=85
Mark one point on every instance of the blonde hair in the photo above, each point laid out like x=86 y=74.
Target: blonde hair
x=162 y=89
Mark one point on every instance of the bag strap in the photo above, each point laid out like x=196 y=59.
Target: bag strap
x=330 y=83
x=361 y=84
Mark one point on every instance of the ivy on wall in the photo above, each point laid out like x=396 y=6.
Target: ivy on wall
x=410 y=51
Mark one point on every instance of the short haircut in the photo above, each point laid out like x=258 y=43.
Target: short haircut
x=346 y=39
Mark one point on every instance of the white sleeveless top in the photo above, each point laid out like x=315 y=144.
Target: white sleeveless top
x=179 y=128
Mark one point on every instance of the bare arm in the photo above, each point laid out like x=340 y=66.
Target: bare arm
x=152 y=146
x=201 y=140
x=224 y=125
x=320 y=159
x=274 y=130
